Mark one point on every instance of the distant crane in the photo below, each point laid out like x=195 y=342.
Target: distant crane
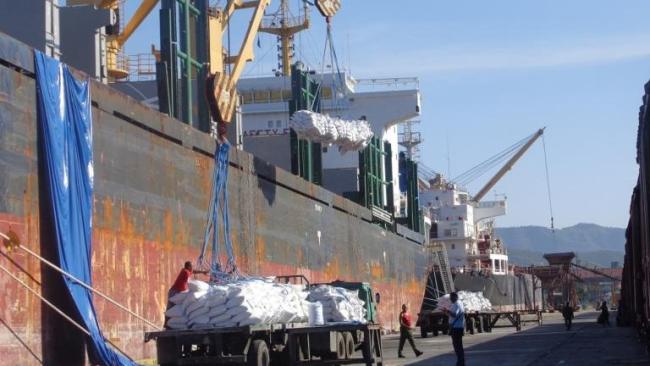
x=507 y=166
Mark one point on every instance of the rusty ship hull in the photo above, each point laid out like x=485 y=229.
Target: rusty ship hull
x=152 y=185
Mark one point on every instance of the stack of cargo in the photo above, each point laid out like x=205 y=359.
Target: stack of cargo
x=472 y=302
x=258 y=301
x=339 y=304
x=349 y=135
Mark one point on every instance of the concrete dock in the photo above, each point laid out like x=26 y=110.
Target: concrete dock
x=587 y=344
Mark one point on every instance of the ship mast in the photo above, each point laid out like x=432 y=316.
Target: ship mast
x=284 y=25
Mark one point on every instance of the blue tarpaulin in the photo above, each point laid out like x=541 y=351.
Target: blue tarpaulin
x=65 y=121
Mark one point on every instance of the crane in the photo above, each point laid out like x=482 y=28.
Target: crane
x=225 y=70
x=116 y=40
x=507 y=166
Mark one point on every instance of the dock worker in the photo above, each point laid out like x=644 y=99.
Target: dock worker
x=567 y=313
x=405 y=332
x=180 y=285
x=456 y=314
x=603 y=318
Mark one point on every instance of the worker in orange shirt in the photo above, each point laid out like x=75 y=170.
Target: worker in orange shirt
x=405 y=324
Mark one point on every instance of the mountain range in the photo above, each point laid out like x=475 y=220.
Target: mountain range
x=592 y=243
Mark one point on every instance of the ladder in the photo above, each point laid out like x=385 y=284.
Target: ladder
x=438 y=257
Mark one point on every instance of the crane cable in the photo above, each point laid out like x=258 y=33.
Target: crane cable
x=481 y=168
x=337 y=80
x=548 y=184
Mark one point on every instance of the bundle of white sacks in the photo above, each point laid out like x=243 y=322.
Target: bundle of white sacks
x=472 y=301
x=349 y=135
x=244 y=302
x=339 y=304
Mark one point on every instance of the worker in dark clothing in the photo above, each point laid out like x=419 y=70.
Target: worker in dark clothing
x=456 y=316
x=603 y=318
x=567 y=313
x=405 y=332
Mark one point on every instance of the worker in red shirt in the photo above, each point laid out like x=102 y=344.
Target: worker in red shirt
x=180 y=285
x=405 y=332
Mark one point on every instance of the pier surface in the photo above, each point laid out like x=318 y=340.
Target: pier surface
x=587 y=344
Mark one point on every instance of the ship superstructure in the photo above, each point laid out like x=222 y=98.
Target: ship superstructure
x=464 y=227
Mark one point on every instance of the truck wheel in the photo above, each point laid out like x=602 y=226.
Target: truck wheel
x=423 y=332
x=349 y=345
x=258 y=354
x=166 y=350
x=340 y=346
x=435 y=332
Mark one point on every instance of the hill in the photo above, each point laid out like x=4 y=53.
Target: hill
x=592 y=243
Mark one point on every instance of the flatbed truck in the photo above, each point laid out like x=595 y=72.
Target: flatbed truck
x=436 y=321
x=278 y=344
x=269 y=344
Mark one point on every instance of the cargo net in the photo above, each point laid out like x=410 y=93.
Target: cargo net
x=218 y=216
x=472 y=302
x=255 y=301
x=348 y=135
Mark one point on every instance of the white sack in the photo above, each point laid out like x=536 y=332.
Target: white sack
x=179 y=297
x=174 y=311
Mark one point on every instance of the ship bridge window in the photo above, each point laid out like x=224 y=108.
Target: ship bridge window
x=447 y=232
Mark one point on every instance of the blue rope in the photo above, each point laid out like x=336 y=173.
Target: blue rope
x=218 y=205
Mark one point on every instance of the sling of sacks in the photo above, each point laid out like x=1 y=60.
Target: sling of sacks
x=246 y=302
x=472 y=301
x=349 y=135
x=339 y=304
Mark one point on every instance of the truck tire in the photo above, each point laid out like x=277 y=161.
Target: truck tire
x=423 y=332
x=339 y=354
x=485 y=322
x=340 y=346
x=470 y=325
x=166 y=351
x=435 y=332
x=258 y=354
x=349 y=345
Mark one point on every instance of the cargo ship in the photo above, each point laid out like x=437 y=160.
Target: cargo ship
x=462 y=228
x=152 y=182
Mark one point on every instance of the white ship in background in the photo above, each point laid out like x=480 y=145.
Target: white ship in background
x=464 y=227
x=464 y=224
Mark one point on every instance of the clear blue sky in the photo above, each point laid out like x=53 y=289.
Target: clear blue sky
x=491 y=73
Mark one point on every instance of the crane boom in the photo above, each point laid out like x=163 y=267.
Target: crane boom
x=222 y=82
x=507 y=166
